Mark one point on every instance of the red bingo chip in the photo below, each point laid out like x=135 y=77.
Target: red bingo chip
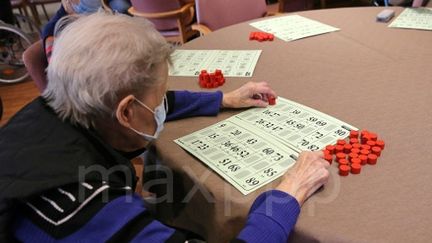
x=355 y=168
x=344 y=170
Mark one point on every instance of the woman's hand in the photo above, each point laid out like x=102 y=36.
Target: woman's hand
x=250 y=94
x=306 y=176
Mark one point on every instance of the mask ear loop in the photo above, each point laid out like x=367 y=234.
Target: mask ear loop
x=166 y=103
x=148 y=108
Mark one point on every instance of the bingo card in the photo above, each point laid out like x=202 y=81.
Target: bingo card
x=414 y=18
x=256 y=146
x=293 y=27
x=233 y=63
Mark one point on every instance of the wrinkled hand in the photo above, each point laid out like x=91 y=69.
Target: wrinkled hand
x=250 y=94
x=306 y=176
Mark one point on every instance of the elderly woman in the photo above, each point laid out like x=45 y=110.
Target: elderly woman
x=65 y=158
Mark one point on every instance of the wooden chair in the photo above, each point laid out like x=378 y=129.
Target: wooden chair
x=21 y=5
x=297 y=5
x=216 y=14
x=174 y=24
x=417 y=3
x=33 y=7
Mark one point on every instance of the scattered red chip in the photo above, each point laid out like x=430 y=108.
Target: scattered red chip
x=365 y=146
x=352 y=155
x=344 y=170
x=347 y=148
x=363 y=133
x=343 y=162
x=340 y=156
x=355 y=168
x=373 y=136
x=341 y=142
x=363 y=159
x=330 y=148
x=365 y=151
x=356 y=145
x=252 y=36
x=371 y=143
x=339 y=149
x=212 y=78
x=376 y=150
x=329 y=158
x=372 y=159
x=353 y=140
x=381 y=144
x=272 y=100
x=365 y=138
x=355 y=150
x=354 y=134
x=356 y=161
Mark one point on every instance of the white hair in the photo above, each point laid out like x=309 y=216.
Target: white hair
x=98 y=59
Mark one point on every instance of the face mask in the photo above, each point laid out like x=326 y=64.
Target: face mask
x=87 y=6
x=159 y=116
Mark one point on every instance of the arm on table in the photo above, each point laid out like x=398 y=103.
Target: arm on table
x=274 y=213
x=182 y=104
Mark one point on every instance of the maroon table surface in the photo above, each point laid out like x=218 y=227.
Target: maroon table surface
x=366 y=74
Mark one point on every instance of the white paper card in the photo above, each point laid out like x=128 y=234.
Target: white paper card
x=414 y=18
x=293 y=27
x=233 y=63
x=253 y=148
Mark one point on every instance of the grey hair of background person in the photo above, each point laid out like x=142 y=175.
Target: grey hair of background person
x=98 y=59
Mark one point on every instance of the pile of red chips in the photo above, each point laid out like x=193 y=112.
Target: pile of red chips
x=261 y=36
x=359 y=151
x=211 y=80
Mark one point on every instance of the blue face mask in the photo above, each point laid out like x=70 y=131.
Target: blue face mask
x=159 y=116
x=87 y=6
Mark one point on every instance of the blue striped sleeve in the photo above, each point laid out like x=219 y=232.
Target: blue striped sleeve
x=124 y=217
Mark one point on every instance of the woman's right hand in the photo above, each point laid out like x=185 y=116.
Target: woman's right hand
x=306 y=176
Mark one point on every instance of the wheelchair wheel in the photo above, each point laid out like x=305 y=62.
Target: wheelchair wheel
x=13 y=43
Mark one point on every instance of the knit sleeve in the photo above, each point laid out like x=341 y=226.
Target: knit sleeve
x=271 y=218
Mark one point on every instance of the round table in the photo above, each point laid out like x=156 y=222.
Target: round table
x=367 y=75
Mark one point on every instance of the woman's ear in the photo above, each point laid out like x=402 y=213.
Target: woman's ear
x=124 y=112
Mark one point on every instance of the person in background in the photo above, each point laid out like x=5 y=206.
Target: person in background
x=68 y=7
x=105 y=102
x=120 y=6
